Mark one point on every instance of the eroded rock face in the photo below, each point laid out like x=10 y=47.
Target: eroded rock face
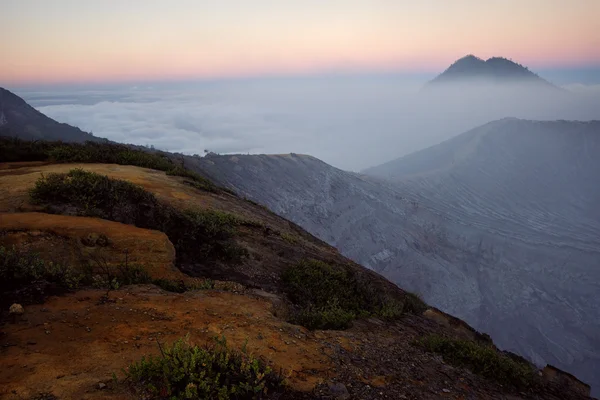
x=499 y=227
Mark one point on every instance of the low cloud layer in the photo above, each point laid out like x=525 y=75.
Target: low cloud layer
x=349 y=123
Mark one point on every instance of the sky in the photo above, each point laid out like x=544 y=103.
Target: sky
x=95 y=41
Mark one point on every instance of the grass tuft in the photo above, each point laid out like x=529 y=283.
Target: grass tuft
x=482 y=359
x=25 y=277
x=184 y=371
x=331 y=296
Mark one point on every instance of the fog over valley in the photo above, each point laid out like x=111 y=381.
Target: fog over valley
x=351 y=122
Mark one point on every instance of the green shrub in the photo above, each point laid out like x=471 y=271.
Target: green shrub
x=101 y=275
x=13 y=149
x=21 y=269
x=93 y=194
x=413 y=304
x=331 y=296
x=331 y=316
x=183 y=371
x=289 y=238
x=483 y=359
x=197 y=235
x=197 y=181
x=181 y=287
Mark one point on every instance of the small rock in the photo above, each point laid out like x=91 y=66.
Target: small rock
x=101 y=385
x=445 y=390
x=16 y=309
x=338 y=391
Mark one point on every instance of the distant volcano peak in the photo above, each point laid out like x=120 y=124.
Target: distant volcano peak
x=494 y=69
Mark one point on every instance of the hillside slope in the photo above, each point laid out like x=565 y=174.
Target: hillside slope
x=498 y=226
x=236 y=285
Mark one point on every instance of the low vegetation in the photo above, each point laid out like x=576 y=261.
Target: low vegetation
x=13 y=150
x=27 y=278
x=184 y=371
x=199 y=235
x=481 y=358
x=25 y=274
x=331 y=296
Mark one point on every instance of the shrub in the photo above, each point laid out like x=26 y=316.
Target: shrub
x=101 y=275
x=331 y=296
x=483 y=359
x=17 y=267
x=197 y=181
x=414 y=304
x=93 y=194
x=289 y=238
x=13 y=149
x=181 y=287
x=20 y=270
x=196 y=235
x=183 y=371
x=331 y=316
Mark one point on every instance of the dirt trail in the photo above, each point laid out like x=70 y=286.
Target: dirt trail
x=70 y=344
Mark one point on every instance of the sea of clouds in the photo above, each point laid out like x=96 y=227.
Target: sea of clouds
x=349 y=122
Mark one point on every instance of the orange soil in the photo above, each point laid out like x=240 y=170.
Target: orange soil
x=71 y=343
x=74 y=240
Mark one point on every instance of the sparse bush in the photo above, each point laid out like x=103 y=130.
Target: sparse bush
x=181 y=286
x=414 y=304
x=331 y=296
x=483 y=359
x=289 y=238
x=13 y=149
x=183 y=371
x=101 y=275
x=197 y=181
x=331 y=316
x=22 y=269
x=198 y=235
x=93 y=195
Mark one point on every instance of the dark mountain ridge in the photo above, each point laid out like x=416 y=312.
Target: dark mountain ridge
x=495 y=70
x=17 y=118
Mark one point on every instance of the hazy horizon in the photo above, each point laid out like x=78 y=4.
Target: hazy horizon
x=115 y=41
x=351 y=122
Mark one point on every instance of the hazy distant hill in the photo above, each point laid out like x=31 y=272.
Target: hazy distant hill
x=17 y=118
x=499 y=226
x=495 y=70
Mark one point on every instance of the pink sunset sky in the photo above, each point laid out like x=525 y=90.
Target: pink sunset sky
x=55 y=41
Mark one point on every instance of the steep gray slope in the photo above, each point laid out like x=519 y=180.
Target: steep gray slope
x=499 y=226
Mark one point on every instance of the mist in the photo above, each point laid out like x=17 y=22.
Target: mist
x=350 y=122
